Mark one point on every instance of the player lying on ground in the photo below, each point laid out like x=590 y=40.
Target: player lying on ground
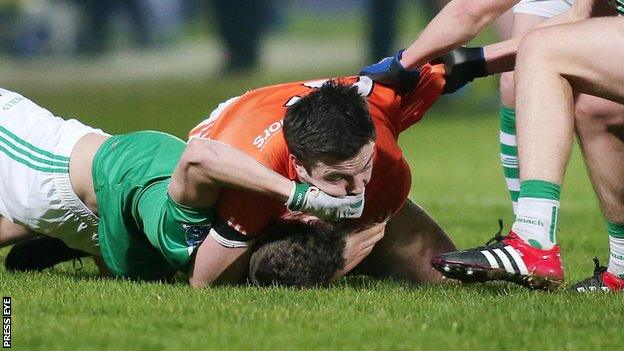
x=60 y=176
x=518 y=257
x=135 y=249
x=248 y=214
x=253 y=123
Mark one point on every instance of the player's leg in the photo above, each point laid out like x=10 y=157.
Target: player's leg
x=10 y=233
x=600 y=130
x=412 y=238
x=36 y=191
x=551 y=62
x=522 y=22
x=554 y=63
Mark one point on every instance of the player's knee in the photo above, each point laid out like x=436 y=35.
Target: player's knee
x=507 y=89
x=593 y=112
x=535 y=48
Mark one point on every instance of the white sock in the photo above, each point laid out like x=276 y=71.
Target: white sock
x=536 y=221
x=616 y=258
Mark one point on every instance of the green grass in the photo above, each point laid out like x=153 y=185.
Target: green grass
x=456 y=177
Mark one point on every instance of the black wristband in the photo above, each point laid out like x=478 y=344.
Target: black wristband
x=462 y=66
x=476 y=59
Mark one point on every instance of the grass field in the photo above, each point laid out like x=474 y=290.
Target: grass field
x=456 y=177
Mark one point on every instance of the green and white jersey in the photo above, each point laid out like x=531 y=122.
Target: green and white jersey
x=143 y=233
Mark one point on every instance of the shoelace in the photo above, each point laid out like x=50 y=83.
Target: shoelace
x=77 y=264
x=598 y=269
x=497 y=237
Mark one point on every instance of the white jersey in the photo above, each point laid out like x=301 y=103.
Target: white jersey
x=35 y=189
x=543 y=8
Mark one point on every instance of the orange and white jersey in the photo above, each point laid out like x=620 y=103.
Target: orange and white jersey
x=253 y=123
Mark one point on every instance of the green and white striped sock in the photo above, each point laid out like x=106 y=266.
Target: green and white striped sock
x=536 y=213
x=616 y=247
x=509 y=152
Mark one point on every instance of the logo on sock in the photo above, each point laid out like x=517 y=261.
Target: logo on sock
x=532 y=221
x=618 y=257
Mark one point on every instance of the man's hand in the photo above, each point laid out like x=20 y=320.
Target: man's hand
x=389 y=71
x=359 y=244
x=310 y=199
x=462 y=66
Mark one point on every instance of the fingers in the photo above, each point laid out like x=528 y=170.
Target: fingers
x=351 y=262
x=367 y=237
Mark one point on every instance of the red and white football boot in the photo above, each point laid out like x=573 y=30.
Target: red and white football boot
x=601 y=281
x=507 y=258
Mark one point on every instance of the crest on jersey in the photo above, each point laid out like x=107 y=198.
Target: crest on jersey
x=195 y=234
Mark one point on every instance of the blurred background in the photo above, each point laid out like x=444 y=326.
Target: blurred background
x=65 y=43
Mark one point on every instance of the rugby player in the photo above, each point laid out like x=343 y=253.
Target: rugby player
x=529 y=255
x=255 y=123
x=143 y=200
x=303 y=251
x=245 y=215
x=546 y=88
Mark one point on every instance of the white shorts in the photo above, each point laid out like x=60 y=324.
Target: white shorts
x=35 y=189
x=543 y=8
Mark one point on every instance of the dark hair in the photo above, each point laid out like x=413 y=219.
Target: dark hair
x=298 y=254
x=332 y=123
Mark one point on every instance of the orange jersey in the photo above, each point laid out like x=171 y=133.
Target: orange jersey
x=253 y=123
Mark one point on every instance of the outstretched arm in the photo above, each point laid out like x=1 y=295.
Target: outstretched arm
x=456 y=24
x=215 y=263
x=207 y=165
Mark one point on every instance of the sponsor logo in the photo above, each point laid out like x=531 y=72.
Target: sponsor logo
x=6 y=322
x=14 y=101
x=195 y=234
x=261 y=140
x=530 y=221
x=618 y=257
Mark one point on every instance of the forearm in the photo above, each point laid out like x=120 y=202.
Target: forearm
x=207 y=166
x=218 y=264
x=230 y=167
x=458 y=22
x=500 y=57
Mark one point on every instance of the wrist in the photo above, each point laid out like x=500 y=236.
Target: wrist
x=400 y=76
x=404 y=59
x=476 y=57
x=297 y=196
x=404 y=63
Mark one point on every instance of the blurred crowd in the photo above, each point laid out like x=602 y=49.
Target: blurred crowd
x=34 y=28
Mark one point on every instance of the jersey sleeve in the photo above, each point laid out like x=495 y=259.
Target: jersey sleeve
x=402 y=110
x=249 y=213
x=174 y=230
x=417 y=102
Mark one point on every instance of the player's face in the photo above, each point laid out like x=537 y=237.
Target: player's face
x=341 y=178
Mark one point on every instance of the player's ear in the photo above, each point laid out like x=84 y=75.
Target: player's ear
x=302 y=172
